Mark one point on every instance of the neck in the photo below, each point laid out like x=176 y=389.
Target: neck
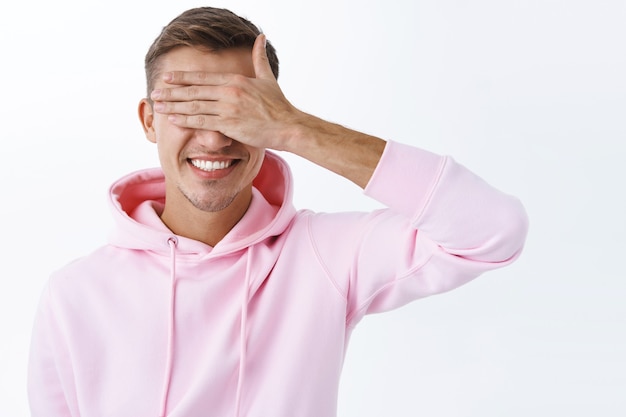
x=204 y=226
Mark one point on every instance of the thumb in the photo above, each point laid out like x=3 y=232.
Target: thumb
x=262 y=68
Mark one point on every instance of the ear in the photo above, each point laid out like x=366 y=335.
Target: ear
x=146 y=117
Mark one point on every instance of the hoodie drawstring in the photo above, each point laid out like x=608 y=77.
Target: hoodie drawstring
x=172 y=242
x=243 y=333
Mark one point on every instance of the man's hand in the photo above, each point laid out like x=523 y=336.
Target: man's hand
x=253 y=111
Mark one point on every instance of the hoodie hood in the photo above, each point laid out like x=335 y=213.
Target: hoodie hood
x=137 y=201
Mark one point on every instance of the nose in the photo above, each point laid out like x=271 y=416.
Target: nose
x=212 y=140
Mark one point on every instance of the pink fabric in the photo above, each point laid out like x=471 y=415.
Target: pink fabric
x=260 y=322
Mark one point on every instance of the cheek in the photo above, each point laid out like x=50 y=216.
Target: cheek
x=170 y=136
x=162 y=127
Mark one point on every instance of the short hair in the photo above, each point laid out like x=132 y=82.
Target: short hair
x=210 y=28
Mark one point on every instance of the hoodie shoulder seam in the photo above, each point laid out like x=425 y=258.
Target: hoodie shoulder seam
x=319 y=259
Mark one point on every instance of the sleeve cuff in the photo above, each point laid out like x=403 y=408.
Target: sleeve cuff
x=405 y=178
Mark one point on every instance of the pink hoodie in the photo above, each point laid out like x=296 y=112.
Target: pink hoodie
x=154 y=324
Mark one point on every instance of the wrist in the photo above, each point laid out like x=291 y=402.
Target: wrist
x=303 y=130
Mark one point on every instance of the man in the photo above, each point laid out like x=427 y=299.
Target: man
x=214 y=296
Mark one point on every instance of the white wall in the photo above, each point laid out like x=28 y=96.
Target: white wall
x=529 y=94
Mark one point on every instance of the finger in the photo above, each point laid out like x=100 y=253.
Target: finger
x=262 y=68
x=195 y=78
x=195 y=107
x=190 y=93
x=203 y=121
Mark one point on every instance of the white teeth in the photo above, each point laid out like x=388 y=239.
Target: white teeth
x=211 y=165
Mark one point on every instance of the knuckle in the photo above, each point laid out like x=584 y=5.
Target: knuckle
x=223 y=79
x=235 y=91
x=199 y=121
x=176 y=76
x=166 y=93
x=238 y=78
x=192 y=92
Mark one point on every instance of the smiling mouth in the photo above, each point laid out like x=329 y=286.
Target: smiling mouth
x=210 y=166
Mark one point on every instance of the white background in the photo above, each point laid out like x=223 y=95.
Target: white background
x=529 y=94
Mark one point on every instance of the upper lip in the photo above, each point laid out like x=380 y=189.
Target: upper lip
x=210 y=159
x=213 y=158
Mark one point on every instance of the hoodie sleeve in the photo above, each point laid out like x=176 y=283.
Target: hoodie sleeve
x=45 y=391
x=443 y=227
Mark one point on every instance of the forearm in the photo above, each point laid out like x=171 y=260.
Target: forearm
x=346 y=152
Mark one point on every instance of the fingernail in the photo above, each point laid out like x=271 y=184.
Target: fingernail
x=159 y=106
x=155 y=94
